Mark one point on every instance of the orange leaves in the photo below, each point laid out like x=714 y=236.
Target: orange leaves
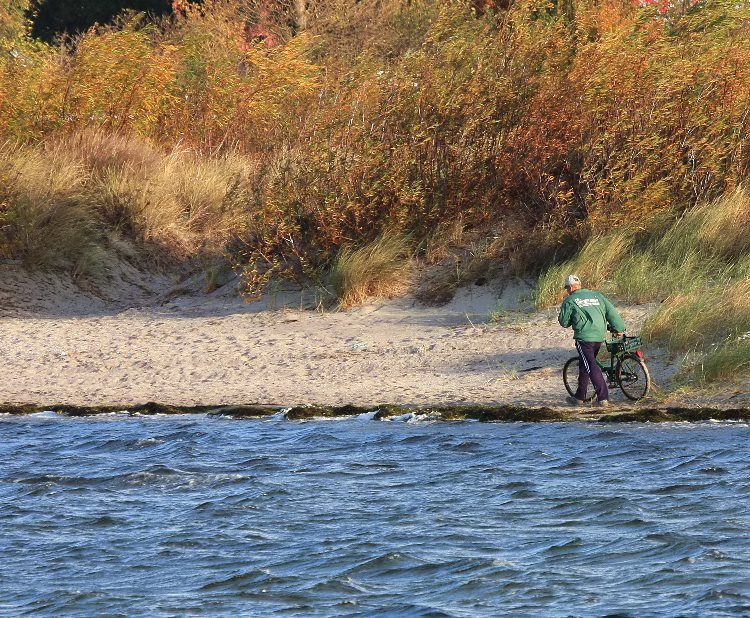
x=118 y=79
x=197 y=84
x=276 y=81
x=115 y=79
x=666 y=115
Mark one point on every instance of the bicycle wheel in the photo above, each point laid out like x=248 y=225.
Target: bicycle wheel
x=570 y=379
x=633 y=377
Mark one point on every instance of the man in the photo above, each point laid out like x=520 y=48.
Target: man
x=590 y=314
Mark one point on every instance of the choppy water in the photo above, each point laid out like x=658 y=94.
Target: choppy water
x=204 y=516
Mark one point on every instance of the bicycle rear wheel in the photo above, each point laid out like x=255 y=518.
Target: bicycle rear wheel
x=633 y=377
x=570 y=379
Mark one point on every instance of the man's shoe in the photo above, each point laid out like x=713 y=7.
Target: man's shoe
x=604 y=403
x=574 y=401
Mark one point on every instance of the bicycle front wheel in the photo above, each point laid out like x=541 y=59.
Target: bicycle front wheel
x=570 y=379
x=633 y=377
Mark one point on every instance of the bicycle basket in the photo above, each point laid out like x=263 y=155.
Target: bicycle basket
x=625 y=344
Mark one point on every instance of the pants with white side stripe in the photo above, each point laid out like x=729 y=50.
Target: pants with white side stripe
x=587 y=368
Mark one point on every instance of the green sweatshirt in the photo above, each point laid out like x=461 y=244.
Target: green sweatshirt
x=589 y=313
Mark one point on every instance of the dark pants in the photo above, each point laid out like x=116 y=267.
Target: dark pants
x=587 y=368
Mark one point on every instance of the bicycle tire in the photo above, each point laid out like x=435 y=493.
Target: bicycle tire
x=570 y=379
x=633 y=377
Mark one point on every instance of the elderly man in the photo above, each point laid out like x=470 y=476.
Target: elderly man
x=590 y=314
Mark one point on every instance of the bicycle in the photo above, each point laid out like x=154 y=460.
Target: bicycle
x=627 y=369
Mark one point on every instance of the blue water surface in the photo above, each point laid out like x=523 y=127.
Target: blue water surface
x=194 y=515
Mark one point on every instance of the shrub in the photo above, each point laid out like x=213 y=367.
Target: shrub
x=580 y=120
x=12 y=20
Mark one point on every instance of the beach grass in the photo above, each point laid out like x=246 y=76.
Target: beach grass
x=46 y=217
x=382 y=268
x=66 y=199
x=594 y=265
x=727 y=362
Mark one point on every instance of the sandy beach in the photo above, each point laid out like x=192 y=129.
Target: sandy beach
x=152 y=341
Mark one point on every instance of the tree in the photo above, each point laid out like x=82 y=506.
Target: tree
x=300 y=15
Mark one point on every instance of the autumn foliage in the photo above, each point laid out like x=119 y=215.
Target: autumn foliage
x=564 y=117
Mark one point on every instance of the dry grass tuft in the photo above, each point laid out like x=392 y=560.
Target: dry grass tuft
x=441 y=242
x=594 y=265
x=724 y=230
x=100 y=150
x=713 y=326
x=380 y=269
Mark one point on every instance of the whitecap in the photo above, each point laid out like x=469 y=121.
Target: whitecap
x=424 y=418
x=148 y=442
x=404 y=418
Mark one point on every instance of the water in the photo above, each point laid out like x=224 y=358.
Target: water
x=192 y=515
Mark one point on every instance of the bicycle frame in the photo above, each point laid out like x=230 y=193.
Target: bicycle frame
x=609 y=371
x=616 y=356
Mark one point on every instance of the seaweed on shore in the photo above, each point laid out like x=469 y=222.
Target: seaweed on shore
x=677 y=414
x=17 y=409
x=245 y=411
x=306 y=412
x=499 y=413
